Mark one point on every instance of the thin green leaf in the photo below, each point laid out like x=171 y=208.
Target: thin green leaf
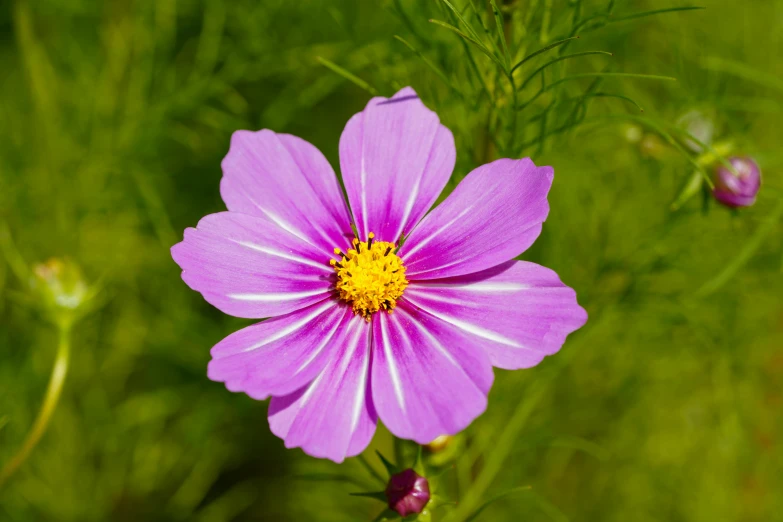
x=610 y=74
x=744 y=71
x=12 y=255
x=542 y=50
x=474 y=66
x=431 y=65
x=485 y=505
x=377 y=476
x=348 y=75
x=558 y=59
x=706 y=146
x=577 y=13
x=542 y=134
x=377 y=495
x=461 y=18
x=691 y=188
x=750 y=248
x=618 y=96
x=634 y=16
x=484 y=27
x=666 y=135
x=406 y=19
x=501 y=33
x=330 y=477
x=475 y=42
x=386 y=514
x=545 y=21
x=390 y=468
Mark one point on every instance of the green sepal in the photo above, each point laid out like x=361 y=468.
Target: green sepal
x=386 y=514
x=418 y=464
x=390 y=468
x=437 y=501
x=692 y=187
x=377 y=495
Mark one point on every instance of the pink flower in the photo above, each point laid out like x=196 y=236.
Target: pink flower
x=407 y=492
x=740 y=189
x=360 y=328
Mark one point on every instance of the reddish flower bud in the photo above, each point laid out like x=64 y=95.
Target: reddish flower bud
x=408 y=492
x=740 y=189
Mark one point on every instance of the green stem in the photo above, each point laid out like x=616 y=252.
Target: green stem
x=398 y=453
x=56 y=381
x=514 y=111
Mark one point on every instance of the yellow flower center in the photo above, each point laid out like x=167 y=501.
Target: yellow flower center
x=370 y=276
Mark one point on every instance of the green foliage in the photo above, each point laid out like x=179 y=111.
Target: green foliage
x=666 y=406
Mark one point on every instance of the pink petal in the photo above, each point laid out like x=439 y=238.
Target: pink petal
x=395 y=158
x=333 y=416
x=289 y=182
x=517 y=312
x=249 y=267
x=428 y=378
x=282 y=354
x=493 y=215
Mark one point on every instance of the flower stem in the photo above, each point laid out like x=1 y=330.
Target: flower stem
x=51 y=399
x=398 y=453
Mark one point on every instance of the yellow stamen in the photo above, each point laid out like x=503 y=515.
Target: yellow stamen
x=370 y=276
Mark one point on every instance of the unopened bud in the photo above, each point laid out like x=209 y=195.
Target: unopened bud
x=698 y=125
x=737 y=189
x=439 y=443
x=408 y=492
x=60 y=288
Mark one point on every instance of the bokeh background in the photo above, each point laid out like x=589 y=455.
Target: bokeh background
x=114 y=117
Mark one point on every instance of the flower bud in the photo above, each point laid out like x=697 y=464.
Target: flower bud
x=740 y=189
x=60 y=288
x=698 y=125
x=439 y=444
x=407 y=492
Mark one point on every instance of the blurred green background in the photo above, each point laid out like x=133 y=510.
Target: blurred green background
x=114 y=117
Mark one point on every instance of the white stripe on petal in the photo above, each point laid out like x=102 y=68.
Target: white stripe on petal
x=438 y=346
x=393 y=373
x=292 y=327
x=284 y=296
x=486 y=286
x=314 y=354
x=284 y=255
x=361 y=391
x=421 y=243
x=471 y=328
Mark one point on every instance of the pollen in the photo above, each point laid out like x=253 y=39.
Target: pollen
x=370 y=276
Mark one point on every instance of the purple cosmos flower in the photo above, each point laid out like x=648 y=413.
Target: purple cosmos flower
x=737 y=190
x=364 y=327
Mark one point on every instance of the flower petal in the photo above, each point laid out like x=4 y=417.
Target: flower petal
x=289 y=182
x=249 y=267
x=333 y=416
x=395 y=158
x=280 y=355
x=493 y=215
x=518 y=312
x=428 y=378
